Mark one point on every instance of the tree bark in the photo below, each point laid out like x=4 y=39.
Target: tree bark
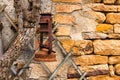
x=23 y=38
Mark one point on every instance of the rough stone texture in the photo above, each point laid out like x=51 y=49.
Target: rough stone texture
x=97 y=1
x=117 y=28
x=117 y=69
x=105 y=28
x=114 y=36
x=63 y=31
x=104 y=77
x=68 y=1
x=67 y=44
x=91 y=60
x=98 y=16
x=113 y=18
x=118 y=2
x=109 y=1
x=94 y=35
x=104 y=8
x=72 y=79
x=91 y=70
x=64 y=19
x=67 y=8
x=82 y=47
x=114 y=59
x=107 y=47
x=112 y=70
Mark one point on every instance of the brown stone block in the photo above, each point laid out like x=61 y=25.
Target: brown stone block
x=112 y=70
x=64 y=19
x=117 y=69
x=67 y=44
x=117 y=28
x=97 y=1
x=114 y=36
x=107 y=47
x=113 y=18
x=104 y=77
x=104 y=8
x=94 y=35
x=118 y=2
x=105 y=28
x=82 y=47
x=68 y=1
x=109 y=1
x=66 y=8
x=90 y=60
x=91 y=70
x=114 y=59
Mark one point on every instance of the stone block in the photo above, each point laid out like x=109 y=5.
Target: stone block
x=82 y=47
x=94 y=35
x=68 y=1
x=90 y=60
x=107 y=47
x=104 y=77
x=97 y=1
x=118 y=2
x=66 y=8
x=67 y=44
x=109 y=1
x=63 y=31
x=104 y=8
x=113 y=18
x=91 y=70
x=105 y=28
x=64 y=19
x=112 y=70
x=117 y=28
x=117 y=69
x=114 y=36
x=114 y=60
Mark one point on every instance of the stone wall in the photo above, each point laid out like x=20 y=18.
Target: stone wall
x=92 y=29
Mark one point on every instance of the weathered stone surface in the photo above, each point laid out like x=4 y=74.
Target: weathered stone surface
x=66 y=8
x=117 y=69
x=72 y=79
x=82 y=47
x=114 y=59
x=114 y=36
x=118 y=2
x=109 y=1
x=113 y=18
x=104 y=8
x=107 y=47
x=68 y=1
x=67 y=44
x=91 y=70
x=117 y=28
x=97 y=1
x=64 y=19
x=112 y=70
x=63 y=31
x=90 y=60
x=105 y=28
x=94 y=35
x=104 y=77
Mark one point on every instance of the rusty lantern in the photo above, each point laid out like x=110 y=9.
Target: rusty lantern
x=46 y=53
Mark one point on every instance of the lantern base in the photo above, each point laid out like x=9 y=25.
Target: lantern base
x=43 y=56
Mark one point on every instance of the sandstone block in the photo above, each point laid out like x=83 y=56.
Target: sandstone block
x=113 y=18
x=82 y=47
x=105 y=28
x=90 y=60
x=97 y=1
x=72 y=79
x=109 y=1
x=117 y=69
x=117 y=28
x=66 y=8
x=68 y=1
x=118 y=2
x=104 y=8
x=63 y=31
x=114 y=59
x=91 y=70
x=107 y=47
x=112 y=70
x=64 y=19
x=67 y=44
x=114 y=36
x=98 y=16
x=104 y=77
x=94 y=35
